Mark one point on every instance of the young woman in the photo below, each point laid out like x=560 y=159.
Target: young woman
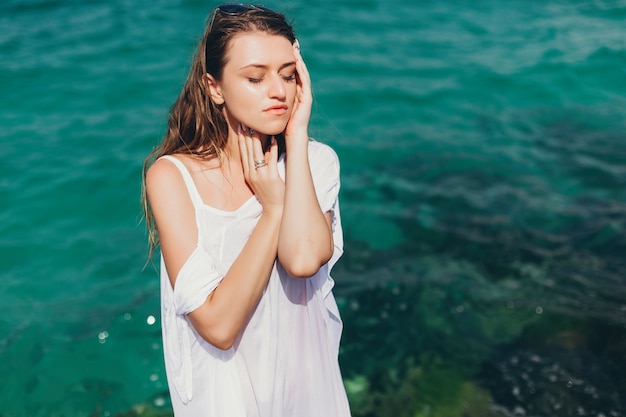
x=247 y=215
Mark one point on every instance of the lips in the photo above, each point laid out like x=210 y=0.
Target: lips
x=277 y=109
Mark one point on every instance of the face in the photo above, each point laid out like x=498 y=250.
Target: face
x=258 y=85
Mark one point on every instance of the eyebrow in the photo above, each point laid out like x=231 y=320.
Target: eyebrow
x=261 y=66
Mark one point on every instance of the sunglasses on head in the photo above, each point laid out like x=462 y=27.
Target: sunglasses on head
x=234 y=9
x=239 y=8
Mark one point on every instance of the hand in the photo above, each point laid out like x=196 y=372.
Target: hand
x=298 y=123
x=262 y=177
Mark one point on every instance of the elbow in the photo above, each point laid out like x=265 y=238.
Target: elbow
x=301 y=272
x=305 y=260
x=219 y=335
x=223 y=343
x=221 y=339
x=303 y=268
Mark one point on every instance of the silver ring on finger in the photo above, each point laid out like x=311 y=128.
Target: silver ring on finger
x=259 y=164
x=251 y=131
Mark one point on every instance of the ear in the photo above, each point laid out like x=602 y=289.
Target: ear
x=213 y=89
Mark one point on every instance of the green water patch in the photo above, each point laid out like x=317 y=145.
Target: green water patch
x=417 y=392
x=561 y=366
x=431 y=336
x=78 y=370
x=506 y=281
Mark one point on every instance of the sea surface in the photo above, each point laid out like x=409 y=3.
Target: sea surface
x=483 y=151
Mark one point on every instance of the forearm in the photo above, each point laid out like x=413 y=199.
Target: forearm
x=305 y=239
x=220 y=319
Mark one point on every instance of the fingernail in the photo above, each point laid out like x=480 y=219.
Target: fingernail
x=297 y=44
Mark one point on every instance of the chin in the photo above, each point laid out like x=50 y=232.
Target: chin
x=274 y=130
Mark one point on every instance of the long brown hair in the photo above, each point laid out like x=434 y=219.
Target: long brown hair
x=197 y=125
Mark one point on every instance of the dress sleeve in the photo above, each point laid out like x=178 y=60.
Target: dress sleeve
x=198 y=277
x=325 y=172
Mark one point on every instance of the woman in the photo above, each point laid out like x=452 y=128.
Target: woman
x=248 y=223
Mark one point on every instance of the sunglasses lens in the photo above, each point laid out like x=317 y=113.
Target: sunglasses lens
x=238 y=8
x=233 y=8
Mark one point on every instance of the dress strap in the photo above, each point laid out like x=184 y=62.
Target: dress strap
x=191 y=186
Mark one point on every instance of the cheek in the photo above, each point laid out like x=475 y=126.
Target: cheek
x=241 y=93
x=240 y=100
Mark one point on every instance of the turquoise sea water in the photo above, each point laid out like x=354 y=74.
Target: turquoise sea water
x=483 y=149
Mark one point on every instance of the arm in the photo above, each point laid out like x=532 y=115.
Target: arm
x=220 y=318
x=305 y=241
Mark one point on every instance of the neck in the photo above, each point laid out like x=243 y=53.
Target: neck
x=232 y=146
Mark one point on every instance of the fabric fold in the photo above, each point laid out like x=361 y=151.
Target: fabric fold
x=325 y=170
x=197 y=278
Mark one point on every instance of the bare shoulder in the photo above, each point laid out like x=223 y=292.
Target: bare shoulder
x=163 y=177
x=165 y=185
x=162 y=172
x=173 y=213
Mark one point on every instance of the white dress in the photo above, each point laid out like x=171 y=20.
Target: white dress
x=284 y=363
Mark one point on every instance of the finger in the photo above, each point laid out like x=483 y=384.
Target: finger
x=303 y=72
x=243 y=151
x=272 y=154
x=249 y=148
x=304 y=94
x=257 y=150
x=250 y=152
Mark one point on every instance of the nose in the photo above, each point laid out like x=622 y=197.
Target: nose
x=277 y=88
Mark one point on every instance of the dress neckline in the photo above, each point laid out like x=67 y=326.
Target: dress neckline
x=229 y=212
x=196 y=198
